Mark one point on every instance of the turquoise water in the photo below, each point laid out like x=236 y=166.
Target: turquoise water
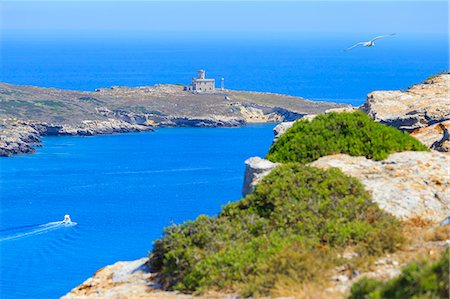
x=120 y=189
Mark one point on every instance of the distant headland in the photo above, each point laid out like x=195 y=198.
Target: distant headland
x=28 y=112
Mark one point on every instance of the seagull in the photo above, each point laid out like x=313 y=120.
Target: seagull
x=369 y=43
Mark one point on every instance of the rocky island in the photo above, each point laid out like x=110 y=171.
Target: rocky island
x=361 y=216
x=28 y=112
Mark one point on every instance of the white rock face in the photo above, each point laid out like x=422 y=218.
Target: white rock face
x=341 y=110
x=124 y=280
x=17 y=137
x=281 y=128
x=436 y=136
x=96 y=127
x=420 y=106
x=255 y=170
x=407 y=184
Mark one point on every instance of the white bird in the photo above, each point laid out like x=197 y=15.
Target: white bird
x=369 y=43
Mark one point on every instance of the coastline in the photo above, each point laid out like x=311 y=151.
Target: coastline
x=419 y=178
x=29 y=112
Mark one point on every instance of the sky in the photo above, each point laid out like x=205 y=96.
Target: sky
x=425 y=17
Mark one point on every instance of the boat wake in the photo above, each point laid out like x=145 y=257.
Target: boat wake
x=33 y=230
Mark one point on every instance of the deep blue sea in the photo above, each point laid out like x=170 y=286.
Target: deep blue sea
x=306 y=65
x=123 y=189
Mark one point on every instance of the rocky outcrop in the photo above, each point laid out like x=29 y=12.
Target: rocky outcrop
x=420 y=106
x=17 y=138
x=205 y=122
x=281 y=128
x=255 y=113
x=128 y=117
x=255 y=170
x=88 y=128
x=100 y=127
x=436 y=136
x=124 y=280
x=21 y=137
x=406 y=184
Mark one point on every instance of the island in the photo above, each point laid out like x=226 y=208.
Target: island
x=29 y=112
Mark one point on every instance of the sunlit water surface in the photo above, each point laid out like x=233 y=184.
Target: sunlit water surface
x=122 y=190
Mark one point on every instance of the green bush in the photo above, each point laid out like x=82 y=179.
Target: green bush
x=285 y=229
x=417 y=280
x=333 y=133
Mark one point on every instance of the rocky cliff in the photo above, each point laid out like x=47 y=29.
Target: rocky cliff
x=124 y=280
x=20 y=136
x=407 y=185
x=17 y=137
x=423 y=109
x=255 y=170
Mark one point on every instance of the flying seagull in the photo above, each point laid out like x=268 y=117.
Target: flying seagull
x=369 y=43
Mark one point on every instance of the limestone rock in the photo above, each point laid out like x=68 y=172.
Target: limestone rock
x=99 y=127
x=436 y=136
x=407 y=184
x=342 y=110
x=207 y=122
x=256 y=113
x=309 y=117
x=22 y=136
x=124 y=280
x=17 y=138
x=420 y=106
x=255 y=170
x=281 y=128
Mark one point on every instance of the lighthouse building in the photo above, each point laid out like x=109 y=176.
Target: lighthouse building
x=201 y=84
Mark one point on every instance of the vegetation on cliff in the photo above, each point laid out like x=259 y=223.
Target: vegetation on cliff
x=288 y=231
x=422 y=279
x=294 y=227
x=340 y=133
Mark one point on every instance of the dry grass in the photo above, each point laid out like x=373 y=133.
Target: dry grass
x=440 y=233
x=424 y=240
x=306 y=290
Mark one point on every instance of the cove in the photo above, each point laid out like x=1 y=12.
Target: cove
x=122 y=190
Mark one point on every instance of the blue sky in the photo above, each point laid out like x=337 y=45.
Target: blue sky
x=232 y=16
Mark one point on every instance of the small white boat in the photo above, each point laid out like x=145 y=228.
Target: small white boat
x=67 y=219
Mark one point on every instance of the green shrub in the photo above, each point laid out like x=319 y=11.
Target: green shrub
x=333 y=133
x=417 y=280
x=285 y=229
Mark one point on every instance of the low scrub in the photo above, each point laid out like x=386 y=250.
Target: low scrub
x=288 y=231
x=418 y=280
x=348 y=133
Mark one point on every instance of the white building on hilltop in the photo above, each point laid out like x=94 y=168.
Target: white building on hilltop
x=201 y=84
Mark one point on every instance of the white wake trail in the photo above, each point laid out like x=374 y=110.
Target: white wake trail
x=32 y=230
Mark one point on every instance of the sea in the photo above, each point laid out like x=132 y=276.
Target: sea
x=122 y=190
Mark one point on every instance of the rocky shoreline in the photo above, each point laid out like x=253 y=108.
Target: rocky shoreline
x=410 y=185
x=17 y=138
x=21 y=137
x=27 y=112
